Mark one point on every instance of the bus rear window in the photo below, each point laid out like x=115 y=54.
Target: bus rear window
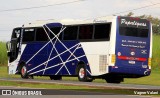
x=134 y=32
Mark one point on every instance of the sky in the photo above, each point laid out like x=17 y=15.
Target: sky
x=78 y=9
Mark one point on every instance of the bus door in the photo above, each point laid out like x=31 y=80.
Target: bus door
x=14 y=45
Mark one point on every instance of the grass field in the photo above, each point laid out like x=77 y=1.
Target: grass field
x=3 y=54
x=70 y=87
x=156 y=52
x=153 y=79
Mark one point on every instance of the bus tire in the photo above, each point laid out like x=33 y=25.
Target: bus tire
x=24 y=73
x=55 y=77
x=82 y=74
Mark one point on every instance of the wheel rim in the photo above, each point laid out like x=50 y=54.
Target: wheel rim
x=81 y=73
x=23 y=70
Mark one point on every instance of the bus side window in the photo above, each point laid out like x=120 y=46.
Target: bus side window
x=41 y=35
x=86 y=32
x=70 y=33
x=28 y=35
x=56 y=31
x=102 y=31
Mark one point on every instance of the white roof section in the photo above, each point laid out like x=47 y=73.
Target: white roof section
x=40 y=23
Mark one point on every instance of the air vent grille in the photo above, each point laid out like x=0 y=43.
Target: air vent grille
x=102 y=63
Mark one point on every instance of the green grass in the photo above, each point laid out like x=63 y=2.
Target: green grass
x=107 y=90
x=68 y=87
x=41 y=85
x=3 y=54
x=153 y=79
x=156 y=52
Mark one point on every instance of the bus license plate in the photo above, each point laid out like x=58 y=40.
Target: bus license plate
x=131 y=62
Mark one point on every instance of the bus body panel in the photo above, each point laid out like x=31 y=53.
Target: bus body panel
x=120 y=55
x=53 y=60
x=112 y=42
x=151 y=42
x=97 y=56
x=132 y=53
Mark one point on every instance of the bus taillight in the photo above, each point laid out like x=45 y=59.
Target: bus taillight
x=113 y=58
x=149 y=62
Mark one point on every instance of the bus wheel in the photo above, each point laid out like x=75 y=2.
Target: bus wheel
x=82 y=74
x=55 y=77
x=24 y=74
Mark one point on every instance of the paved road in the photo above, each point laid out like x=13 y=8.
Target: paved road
x=90 y=84
x=78 y=94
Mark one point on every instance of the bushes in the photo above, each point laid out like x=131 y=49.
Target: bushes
x=3 y=54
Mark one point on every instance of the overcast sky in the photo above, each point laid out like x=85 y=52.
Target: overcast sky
x=84 y=9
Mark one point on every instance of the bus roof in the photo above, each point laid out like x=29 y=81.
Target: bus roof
x=40 y=23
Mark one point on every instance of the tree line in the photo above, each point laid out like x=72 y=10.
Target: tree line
x=154 y=20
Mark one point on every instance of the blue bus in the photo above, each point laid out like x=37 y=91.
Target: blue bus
x=111 y=48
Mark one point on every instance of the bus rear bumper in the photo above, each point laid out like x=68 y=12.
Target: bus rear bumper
x=129 y=72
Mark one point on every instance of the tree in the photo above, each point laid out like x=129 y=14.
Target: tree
x=130 y=14
x=154 y=20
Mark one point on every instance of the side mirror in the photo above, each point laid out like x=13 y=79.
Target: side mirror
x=8 y=44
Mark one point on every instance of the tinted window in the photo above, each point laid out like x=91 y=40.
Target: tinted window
x=41 y=35
x=70 y=33
x=28 y=35
x=102 y=31
x=135 y=32
x=56 y=30
x=86 y=32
